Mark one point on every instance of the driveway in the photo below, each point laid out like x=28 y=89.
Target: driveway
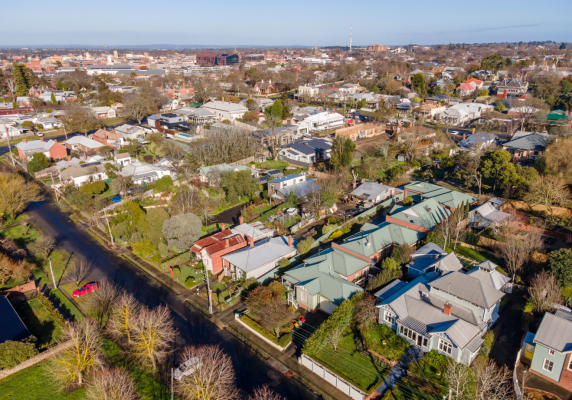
x=509 y=337
x=192 y=327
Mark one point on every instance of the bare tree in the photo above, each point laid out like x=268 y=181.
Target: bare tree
x=121 y=184
x=101 y=301
x=153 y=334
x=471 y=171
x=517 y=251
x=366 y=311
x=264 y=393
x=410 y=143
x=16 y=193
x=79 y=270
x=111 y=384
x=276 y=139
x=79 y=119
x=207 y=375
x=43 y=245
x=335 y=336
x=459 y=378
x=544 y=292
x=527 y=109
x=186 y=199
x=137 y=106
x=548 y=191
x=123 y=319
x=493 y=383
x=205 y=89
x=281 y=315
x=11 y=85
x=72 y=365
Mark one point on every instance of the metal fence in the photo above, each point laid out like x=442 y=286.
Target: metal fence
x=332 y=378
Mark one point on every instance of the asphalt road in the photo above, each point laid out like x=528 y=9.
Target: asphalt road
x=193 y=328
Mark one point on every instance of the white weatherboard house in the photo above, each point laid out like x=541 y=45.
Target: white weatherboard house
x=141 y=172
x=225 y=110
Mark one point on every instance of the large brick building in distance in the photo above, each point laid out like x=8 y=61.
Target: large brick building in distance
x=220 y=59
x=376 y=48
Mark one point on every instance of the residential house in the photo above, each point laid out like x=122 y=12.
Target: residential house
x=170 y=121
x=479 y=140
x=325 y=280
x=224 y=110
x=549 y=350
x=129 y=132
x=83 y=173
x=322 y=121
x=460 y=113
x=446 y=311
x=122 y=159
x=425 y=260
x=259 y=258
x=488 y=215
x=83 y=144
x=280 y=189
x=488 y=274
x=107 y=138
x=511 y=86
x=199 y=116
x=13 y=327
x=266 y=87
x=527 y=146
x=206 y=174
x=104 y=112
x=307 y=91
x=48 y=122
x=305 y=153
x=141 y=172
x=429 y=110
x=211 y=249
x=50 y=149
x=279 y=136
x=371 y=193
x=361 y=131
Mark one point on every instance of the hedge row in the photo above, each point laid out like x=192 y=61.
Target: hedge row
x=168 y=262
x=283 y=341
x=54 y=312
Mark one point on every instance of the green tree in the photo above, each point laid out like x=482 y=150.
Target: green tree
x=240 y=183
x=152 y=225
x=560 y=263
x=251 y=105
x=499 y=105
x=562 y=46
x=94 y=187
x=493 y=62
x=21 y=79
x=53 y=98
x=39 y=162
x=277 y=109
x=342 y=152
x=13 y=353
x=418 y=84
x=165 y=184
x=496 y=164
x=304 y=246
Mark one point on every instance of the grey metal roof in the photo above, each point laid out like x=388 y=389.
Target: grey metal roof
x=564 y=313
x=263 y=252
x=370 y=190
x=534 y=141
x=468 y=288
x=490 y=277
x=555 y=332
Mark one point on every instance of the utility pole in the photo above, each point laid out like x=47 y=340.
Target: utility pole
x=172 y=394
x=53 y=185
x=108 y=227
x=52 y=272
x=209 y=294
x=10 y=147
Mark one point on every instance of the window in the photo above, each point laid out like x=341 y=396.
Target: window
x=303 y=295
x=551 y=352
x=548 y=365
x=445 y=347
x=570 y=365
x=388 y=317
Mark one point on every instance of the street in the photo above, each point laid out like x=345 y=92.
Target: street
x=193 y=328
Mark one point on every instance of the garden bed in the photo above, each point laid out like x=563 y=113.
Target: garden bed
x=284 y=340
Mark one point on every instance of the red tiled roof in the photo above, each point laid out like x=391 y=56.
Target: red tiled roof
x=478 y=82
x=466 y=86
x=215 y=243
x=233 y=241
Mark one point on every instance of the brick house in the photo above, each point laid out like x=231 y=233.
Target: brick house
x=50 y=149
x=361 y=131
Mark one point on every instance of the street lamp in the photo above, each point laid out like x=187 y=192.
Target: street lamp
x=52 y=272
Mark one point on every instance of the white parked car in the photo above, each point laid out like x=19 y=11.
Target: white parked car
x=187 y=368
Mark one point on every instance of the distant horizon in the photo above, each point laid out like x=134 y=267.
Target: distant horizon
x=258 y=23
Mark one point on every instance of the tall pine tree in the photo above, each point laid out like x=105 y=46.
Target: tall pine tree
x=54 y=101
x=21 y=79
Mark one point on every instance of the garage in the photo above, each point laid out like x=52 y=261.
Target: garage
x=326 y=305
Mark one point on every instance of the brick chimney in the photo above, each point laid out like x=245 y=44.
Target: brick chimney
x=447 y=308
x=289 y=241
x=69 y=158
x=251 y=242
x=464 y=136
x=23 y=140
x=41 y=139
x=227 y=243
x=222 y=226
x=240 y=220
x=84 y=157
x=474 y=131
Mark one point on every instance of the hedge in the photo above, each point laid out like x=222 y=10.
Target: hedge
x=177 y=259
x=283 y=341
x=52 y=310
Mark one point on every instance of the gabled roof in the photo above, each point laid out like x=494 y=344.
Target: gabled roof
x=426 y=214
x=337 y=261
x=533 y=141
x=488 y=211
x=263 y=252
x=36 y=145
x=379 y=237
x=139 y=168
x=555 y=332
x=468 y=288
x=82 y=140
x=300 y=189
x=11 y=325
x=370 y=190
x=486 y=273
x=215 y=243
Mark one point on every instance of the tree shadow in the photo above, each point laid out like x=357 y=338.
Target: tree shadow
x=61 y=306
x=65 y=268
x=42 y=330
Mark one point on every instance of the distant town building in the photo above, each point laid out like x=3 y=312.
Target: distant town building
x=211 y=59
x=376 y=48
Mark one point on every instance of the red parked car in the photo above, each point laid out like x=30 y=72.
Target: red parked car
x=87 y=288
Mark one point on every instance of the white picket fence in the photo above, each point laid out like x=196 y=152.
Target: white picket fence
x=332 y=378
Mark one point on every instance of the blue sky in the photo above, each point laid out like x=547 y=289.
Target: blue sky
x=311 y=23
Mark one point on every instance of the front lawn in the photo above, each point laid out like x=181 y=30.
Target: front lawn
x=394 y=346
x=60 y=263
x=283 y=341
x=39 y=322
x=350 y=364
x=263 y=209
x=114 y=121
x=270 y=164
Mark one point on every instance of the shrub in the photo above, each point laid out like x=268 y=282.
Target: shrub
x=284 y=263
x=144 y=248
x=94 y=188
x=328 y=228
x=165 y=184
x=52 y=310
x=249 y=284
x=283 y=341
x=176 y=272
x=336 y=234
x=489 y=339
x=305 y=245
x=13 y=353
x=332 y=220
x=189 y=283
x=436 y=359
x=27 y=124
x=529 y=306
x=471 y=238
x=408 y=201
x=257 y=200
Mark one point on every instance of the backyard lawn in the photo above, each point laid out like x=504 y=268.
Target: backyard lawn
x=350 y=364
x=34 y=384
x=39 y=322
x=271 y=164
x=476 y=255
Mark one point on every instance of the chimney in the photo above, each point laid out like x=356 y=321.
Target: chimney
x=227 y=243
x=23 y=140
x=251 y=242
x=250 y=96
x=69 y=158
x=84 y=157
x=222 y=226
x=464 y=136
x=447 y=308
x=473 y=131
x=289 y=241
x=41 y=139
x=241 y=220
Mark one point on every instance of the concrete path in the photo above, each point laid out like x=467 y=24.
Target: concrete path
x=399 y=370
